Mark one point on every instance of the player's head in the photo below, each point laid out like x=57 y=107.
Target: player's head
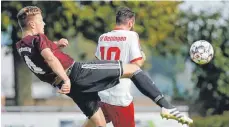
x=125 y=16
x=30 y=19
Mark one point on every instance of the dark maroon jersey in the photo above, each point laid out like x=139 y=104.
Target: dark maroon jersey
x=30 y=48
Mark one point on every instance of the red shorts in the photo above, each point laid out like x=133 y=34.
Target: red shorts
x=118 y=115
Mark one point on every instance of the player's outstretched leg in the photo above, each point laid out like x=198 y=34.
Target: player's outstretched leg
x=146 y=86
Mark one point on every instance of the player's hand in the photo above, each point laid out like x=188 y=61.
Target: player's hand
x=66 y=87
x=62 y=43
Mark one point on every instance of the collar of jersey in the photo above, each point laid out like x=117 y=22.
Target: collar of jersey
x=118 y=28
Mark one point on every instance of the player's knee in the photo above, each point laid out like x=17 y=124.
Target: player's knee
x=130 y=69
x=98 y=123
x=98 y=118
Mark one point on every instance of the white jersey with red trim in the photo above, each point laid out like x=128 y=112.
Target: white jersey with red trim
x=119 y=45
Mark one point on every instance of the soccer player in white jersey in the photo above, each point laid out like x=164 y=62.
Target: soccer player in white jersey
x=116 y=103
x=120 y=44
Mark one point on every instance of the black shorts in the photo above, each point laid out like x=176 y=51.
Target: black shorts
x=88 y=78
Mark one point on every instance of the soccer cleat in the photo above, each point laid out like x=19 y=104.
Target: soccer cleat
x=176 y=115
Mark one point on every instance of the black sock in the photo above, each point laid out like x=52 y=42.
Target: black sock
x=146 y=86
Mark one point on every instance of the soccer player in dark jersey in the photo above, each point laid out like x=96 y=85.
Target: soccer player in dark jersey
x=81 y=81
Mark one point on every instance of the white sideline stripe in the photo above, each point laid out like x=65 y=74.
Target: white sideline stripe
x=101 y=66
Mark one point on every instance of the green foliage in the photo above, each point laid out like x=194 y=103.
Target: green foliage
x=211 y=79
x=212 y=121
x=95 y=18
x=67 y=18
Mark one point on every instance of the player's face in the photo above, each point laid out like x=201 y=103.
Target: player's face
x=39 y=23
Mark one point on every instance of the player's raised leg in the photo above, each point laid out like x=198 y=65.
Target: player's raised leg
x=146 y=86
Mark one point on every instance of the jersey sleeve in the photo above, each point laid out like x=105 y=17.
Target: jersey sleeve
x=43 y=42
x=135 y=49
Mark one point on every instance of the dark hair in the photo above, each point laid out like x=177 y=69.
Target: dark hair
x=26 y=13
x=123 y=15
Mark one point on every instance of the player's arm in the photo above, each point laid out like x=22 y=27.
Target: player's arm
x=54 y=64
x=137 y=56
x=43 y=46
x=140 y=61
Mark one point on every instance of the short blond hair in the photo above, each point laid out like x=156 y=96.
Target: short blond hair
x=26 y=13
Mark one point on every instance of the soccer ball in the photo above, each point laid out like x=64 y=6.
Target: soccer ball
x=201 y=52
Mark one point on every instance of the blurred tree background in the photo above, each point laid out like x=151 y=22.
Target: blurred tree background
x=211 y=79
x=164 y=31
